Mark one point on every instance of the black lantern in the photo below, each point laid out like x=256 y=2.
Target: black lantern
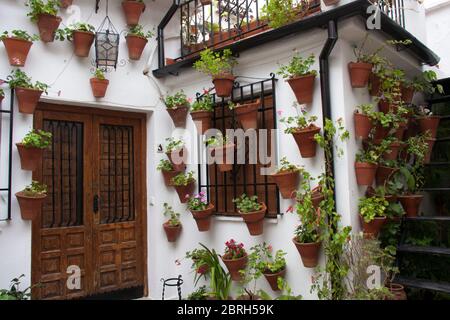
x=106 y=44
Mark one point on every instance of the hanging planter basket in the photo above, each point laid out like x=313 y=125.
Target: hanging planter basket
x=133 y=11
x=359 y=73
x=411 y=204
x=234 y=266
x=365 y=173
x=202 y=120
x=363 y=125
x=178 y=115
x=17 y=50
x=255 y=220
x=82 y=43
x=30 y=157
x=168 y=175
x=374 y=85
x=272 y=278
x=27 y=99
x=430 y=124
x=303 y=88
x=247 y=114
x=178 y=159
x=223 y=85
x=183 y=191
x=407 y=94
x=99 y=87
x=135 y=46
x=431 y=143
x=225 y=155
x=306 y=142
x=309 y=253
x=172 y=232
x=30 y=207
x=287 y=182
x=203 y=217
x=47 y=25
x=394 y=149
x=373 y=227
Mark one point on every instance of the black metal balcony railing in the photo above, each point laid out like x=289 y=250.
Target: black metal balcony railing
x=394 y=9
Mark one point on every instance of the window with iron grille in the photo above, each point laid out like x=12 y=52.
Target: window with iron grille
x=222 y=187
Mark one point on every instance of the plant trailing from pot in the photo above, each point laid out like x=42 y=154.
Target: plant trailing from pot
x=173 y=226
x=177 y=106
x=222 y=150
x=201 y=210
x=199 y=266
x=31 y=148
x=31 y=199
x=426 y=83
x=137 y=39
x=184 y=184
x=364 y=118
x=426 y=120
x=271 y=265
x=285 y=295
x=99 y=83
x=246 y=113
x=287 y=178
x=366 y=165
x=300 y=77
x=201 y=112
x=14 y=292
x=303 y=129
x=372 y=211
x=235 y=259
x=166 y=168
x=219 y=65
x=82 y=35
x=177 y=153
x=28 y=94
x=18 y=45
x=253 y=213
x=133 y=10
x=44 y=13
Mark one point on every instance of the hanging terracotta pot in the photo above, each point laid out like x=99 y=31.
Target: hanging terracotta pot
x=331 y=2
x=255 y=220
x=381 y=132
x=27 y=99
x=203 y=217
x=133 y=11
x=47 y=25
x=359 y=73
x=303 y=88
x=374 y=85
x=17 y=50
x=373 y=227
x=411 y=204
x=287 y=182
x=224 y=157
x=236 y=265
x=392 y=152
x=178 y=115
x=309 y=253
x=363 y=125
x=391 y=198
x=429 y=124
x=317 y=197
x=431 y=143
x=383 y=174
x=398 y=292
x=178 y=159
x=172 y=232
x=224 y=85
x=168 y=175
x=202 y=120
x=247 y=114
x=30 y=157
x=99 y=87
x=407 y=94
x=135 y=46
x=205 y=2
x=82 y=42
x=184 y=191
x=65 y=3
x=272 y=278
x=386 y=107
x=400 y=131
x=306 y=142
x=365 y=173
x=30 y=207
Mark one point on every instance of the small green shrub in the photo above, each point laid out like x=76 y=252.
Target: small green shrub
x=37 y=139
x=247 y=204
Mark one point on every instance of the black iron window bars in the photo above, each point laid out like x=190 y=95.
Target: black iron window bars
x=222 y=188
x=7 y=189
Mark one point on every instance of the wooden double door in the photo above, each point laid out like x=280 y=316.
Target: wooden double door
x=90 y=238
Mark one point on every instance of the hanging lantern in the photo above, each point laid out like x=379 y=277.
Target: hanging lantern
x=106 y=44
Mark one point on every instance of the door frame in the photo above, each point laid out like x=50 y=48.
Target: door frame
x=141 y=200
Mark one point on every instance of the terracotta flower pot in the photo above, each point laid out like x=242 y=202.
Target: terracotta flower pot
x=47 y=25
x=133 y=11
x=235 y=265
x=135 y=46
x=381 y=132
x=370 y=192
x=224 y=157
x=398 y=292
x=400 y=131
x=431 y=143
x=363 y=125
x=30 y=207
x=407 y=94
x=224 y=85
x=168 y=175
x=30 y=158
x=178 y=159
x=373 y=227
x=178 y=115
x=365 y=173
x=306 y=142
x=385 y=107
x=303 y=88
x=247 y=114
x=359 y=73
x=287 y=182
x=17 y=50
x=99 y=87
x=202 y=120
x=309 y=252
x=203 y=217
x=392 y=153
x=184 y=191
x=374 y=85
x=65 y=3
x=82 y=43
x=205 y=2
x=317 y=198
x=272 y=278
x=411 y=204
x=384 y=173
x=172 y=233
x=430 y=124
x=331 y=2
x=255 y=220
x=27 y=99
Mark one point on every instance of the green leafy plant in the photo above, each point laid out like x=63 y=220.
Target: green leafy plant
x=199 y=266
x=67 y=33
x=199 y=294
x=330 y=131
x=286 y=166
x=2 y=93
x=371 y=154
x=298 y=123
x=217 y=141
x=179 y=99
x=372 y=207
x=138 y=31
x=183 y=179
x=99 y=74
x=265 y=261
x=19 y=34
x=298 y=67
x=174 y=145
x=246 y=204
x=215 y=63
x=174 y=217
x=14 y=292
x=38 y=7
x=425 y=83
x=198 y=202
x=234 y=250
x=37 y=139
x=205 y=103
x=35 y=189
x=368 y=110
x=19 y=79
x=164 y=165
x=279 y=12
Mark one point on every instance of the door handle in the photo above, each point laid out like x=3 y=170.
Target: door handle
x=96 y=203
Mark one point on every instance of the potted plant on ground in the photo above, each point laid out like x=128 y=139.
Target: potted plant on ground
x=300 y=77
x=235 y=259
x=246 y=113
x=28 y=94
x=166 y=168
x=31 y=148
x=366 y=165
x=17 y=46
x=253 y=213
x=364 y=118
x=136 y=41
x=31 y=199
x=45 y=15
x=173 y=226
x=82 y=35
x=427 y=121
x=184 y=184
x=303 y=129
x=133 y=10
x=287 y=178
x=219 y=65
x=177 y=153
x=201 y=210
x=177 y=107
x=272 y=266
x=223 y=151
x=201 y=113
x=99 y=83
x=372 y=212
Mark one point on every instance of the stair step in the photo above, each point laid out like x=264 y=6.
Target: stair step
x=428 y=218
x=423 y=249
x=435 y=189
x=423 y=284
